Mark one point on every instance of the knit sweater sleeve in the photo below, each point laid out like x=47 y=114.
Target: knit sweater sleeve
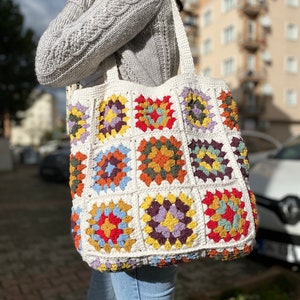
x=86 y=32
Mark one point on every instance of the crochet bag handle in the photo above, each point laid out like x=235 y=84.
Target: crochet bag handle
x=185 y=54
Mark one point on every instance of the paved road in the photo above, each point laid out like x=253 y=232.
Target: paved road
x=38 y=260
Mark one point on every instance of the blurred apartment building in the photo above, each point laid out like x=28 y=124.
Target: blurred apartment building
x=39 y=119
x=254 y=45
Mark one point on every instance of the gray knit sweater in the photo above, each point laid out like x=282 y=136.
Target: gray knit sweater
x=139 y=32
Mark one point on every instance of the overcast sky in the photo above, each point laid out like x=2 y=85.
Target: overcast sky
x=38 y=14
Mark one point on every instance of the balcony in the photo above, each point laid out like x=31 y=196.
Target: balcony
x=251 y=76
x=253 y=8
x=251 y=111
x=252 y=105
x=191 y=6
x=251 y=44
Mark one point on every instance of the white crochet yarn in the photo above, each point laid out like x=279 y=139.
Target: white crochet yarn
x=158 y=175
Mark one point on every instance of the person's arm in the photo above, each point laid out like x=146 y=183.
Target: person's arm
x=85 y=33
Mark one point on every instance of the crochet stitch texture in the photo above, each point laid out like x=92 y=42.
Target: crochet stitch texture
x=159 y=192
x=158 y=175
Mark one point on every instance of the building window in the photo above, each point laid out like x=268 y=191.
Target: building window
x=293 y=3
x=291 y=64
x=228 y=66
x=228 y=34
x=250 y=101
x=206 y=18
x=251 y=30
x=190 y=21
x=292 y=32
x=291 y=98
x=207 y=72
x=228 y=5
x=251 y=62
x=206 y=46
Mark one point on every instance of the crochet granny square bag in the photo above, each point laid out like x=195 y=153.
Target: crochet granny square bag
x=158 y=175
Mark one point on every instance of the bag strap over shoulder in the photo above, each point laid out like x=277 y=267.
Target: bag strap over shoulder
x=185 y=54
x=110 y=65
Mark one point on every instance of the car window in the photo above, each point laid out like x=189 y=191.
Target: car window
x=291 y=151
x=257 y=144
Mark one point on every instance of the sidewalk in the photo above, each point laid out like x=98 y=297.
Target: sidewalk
x=37 y=257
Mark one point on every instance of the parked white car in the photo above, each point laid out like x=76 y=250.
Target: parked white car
x=276 y=184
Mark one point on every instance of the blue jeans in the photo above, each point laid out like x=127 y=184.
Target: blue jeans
x=144 y=283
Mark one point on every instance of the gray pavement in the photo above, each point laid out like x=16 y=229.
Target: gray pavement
x=38 y=260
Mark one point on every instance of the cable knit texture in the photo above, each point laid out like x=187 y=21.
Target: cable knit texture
x=139 y=32
x=84 y=5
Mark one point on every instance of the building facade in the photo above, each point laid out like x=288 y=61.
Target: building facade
x=41 y=117
x=190 y=17
x=254 y=45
